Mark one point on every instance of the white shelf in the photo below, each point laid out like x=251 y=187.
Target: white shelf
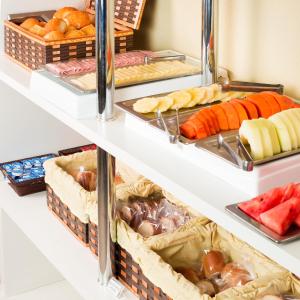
x=74 y=261
x=165 y=164
x=58 y=291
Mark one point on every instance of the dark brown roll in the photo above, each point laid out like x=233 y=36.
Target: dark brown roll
x=213 y=263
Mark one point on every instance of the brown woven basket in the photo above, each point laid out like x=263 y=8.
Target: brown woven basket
x=63 y=213
x=126 y=270
x=74 y=150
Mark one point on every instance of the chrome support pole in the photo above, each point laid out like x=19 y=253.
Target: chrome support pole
x=105 y=50
x=209 y=41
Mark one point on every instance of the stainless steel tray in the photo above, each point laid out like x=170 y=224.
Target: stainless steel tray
x=210 y=144
x=292 y=234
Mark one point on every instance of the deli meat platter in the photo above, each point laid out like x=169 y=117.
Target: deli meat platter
x=292 y=235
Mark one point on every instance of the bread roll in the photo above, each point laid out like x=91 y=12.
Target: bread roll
x=213 y=263
x=27 y=24
x=61 y=13
x=78 y=19
x=206 y=287
x=38 y=30
x=234 y=275
x=89 y=30
x=54 y=36
x=87 y=179
x=43 y=23
x=75 y=34
x=56 y=25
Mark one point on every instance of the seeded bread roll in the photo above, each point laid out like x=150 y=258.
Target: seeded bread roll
x=54 y=36
x=56 y=25
x=78 y=19
x=61 y=13
x=28 y=23
x=38 y=30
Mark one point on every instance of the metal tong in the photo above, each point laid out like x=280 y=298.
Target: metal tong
x=173 y=138
x=154 y=59
x=251 y=87
x=246 y=165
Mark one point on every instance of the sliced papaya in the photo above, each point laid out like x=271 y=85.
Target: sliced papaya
x=199 y=116
x=240 y=110
x=210 y=122
x=261 y=104
x=214 y=119
x=221 y=116
x=250 y=108
x=232 y=116
x=199 y=128
x=274 y=105
x=188 y=130
x=284 y=101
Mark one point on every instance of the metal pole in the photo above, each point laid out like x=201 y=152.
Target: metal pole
x=105 y=50
x=209 y=40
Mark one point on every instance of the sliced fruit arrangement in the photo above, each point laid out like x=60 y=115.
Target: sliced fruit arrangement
x=268 y=137
x=230 y=115
x=185 y=99
x=277 y=209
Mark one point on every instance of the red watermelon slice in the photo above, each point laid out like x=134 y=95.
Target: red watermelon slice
x=280 y=218
x=262 y=203
x=297 y=221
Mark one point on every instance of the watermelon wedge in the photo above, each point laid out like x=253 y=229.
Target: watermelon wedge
x=297 y=221
x=280 y=218
x=255 y=207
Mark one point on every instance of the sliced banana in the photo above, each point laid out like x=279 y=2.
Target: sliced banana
x=146 y=105
x=180 y=98
x=164 y=103
x=197 y=94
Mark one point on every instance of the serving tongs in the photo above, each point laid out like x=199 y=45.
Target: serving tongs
x=172 y=57
x=173 y=137
x=254 y=87
x=247 y=164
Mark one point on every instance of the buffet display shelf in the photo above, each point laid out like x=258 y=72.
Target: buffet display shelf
x=165 y=164
x=75 y=262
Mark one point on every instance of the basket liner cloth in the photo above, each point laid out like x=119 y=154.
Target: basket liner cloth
x=71 y=193
x=158 y=255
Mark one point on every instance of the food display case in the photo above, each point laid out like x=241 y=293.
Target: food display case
x=187 y=186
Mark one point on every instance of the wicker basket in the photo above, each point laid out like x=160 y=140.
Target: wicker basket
x=63 y=213
x=126 y=270
x=33 y=52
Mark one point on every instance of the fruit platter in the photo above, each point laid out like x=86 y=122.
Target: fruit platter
x=275 y=214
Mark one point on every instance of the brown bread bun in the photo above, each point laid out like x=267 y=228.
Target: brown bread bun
x=61 y=13
x=56 y=25
x=213 y=263
x=54 y=36
x=89 y=30
x=87 y=179
x=78 y=19
x=75 y=34
x=38 y=30
x=234 y=275
x=28 y=23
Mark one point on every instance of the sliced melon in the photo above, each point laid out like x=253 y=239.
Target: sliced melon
x=266 y=136
x=211 y=91
x=290 y=128
x=282 y=132
x=274 y=137
x=251 y=134
x=197 y=95
x=180 y=98
x=291 y=114
x=146 y=105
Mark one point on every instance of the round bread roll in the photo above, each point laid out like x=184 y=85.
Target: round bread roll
x=54 y=36
x=147 y=229
x=28 y=23
x=75 y=34
x=61 y=13
x=206 y=287
x=213 y=263
x=38 y=30
x=234 y=275
x=78 y=19
x=89 y=30
x=56 y=25
x=87 y=179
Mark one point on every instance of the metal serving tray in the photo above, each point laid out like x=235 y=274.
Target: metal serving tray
x=210 y=144
x=292 y=234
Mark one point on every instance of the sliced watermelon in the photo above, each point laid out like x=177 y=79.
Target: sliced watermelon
x=296 y=192
x=255 y=207
x=297 y=221
x=288 y=191
x=280 y=218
